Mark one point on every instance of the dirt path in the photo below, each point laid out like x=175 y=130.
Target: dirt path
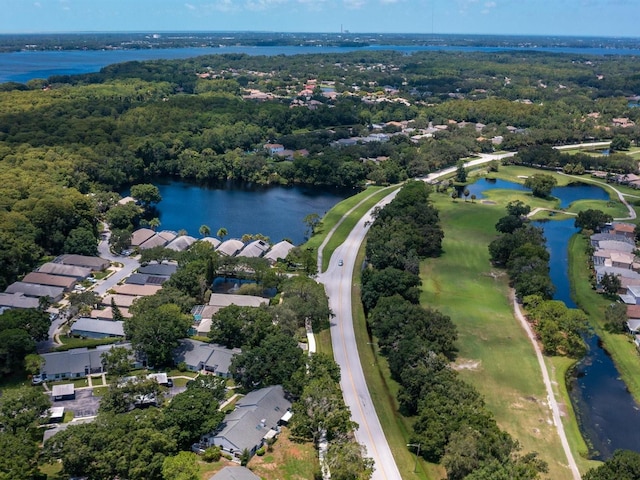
x=553 y=404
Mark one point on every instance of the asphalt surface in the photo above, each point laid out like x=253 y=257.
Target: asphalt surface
x=129 y=264
x=337 y=282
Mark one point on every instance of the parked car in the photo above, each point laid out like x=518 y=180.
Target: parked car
x=37 y=380
x=340 y=263
x=169 y=382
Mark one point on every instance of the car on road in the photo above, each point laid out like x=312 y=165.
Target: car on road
x=340 y=263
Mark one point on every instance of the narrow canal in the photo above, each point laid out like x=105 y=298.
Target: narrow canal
x=608 y=416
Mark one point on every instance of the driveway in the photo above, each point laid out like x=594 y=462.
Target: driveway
x=129 y=265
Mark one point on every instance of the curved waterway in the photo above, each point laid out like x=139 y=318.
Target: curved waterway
x=608 y=416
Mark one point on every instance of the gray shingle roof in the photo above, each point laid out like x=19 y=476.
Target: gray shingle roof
x=235 y=473
x=199 y=355
x=164 y=269
x=226 y=299
x=93 y=325
x=279 y=250
x=94 y=263
x=254 y=249
x=75 y=361
x=18 y=300
x=35 y=290
x=254 y=416
x=65 y=270
x=230 y=247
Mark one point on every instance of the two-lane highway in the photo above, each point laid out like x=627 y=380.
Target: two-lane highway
x=337 y=281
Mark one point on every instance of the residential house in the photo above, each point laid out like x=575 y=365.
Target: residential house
x=94 y=328
x=256 y=418
x=254 y=249
x=107 y=313
x=66 y=283
x=181 y=243
x=140 y=236
x=627 y=277
x=160 y=239
x=597 y=238
x=213 y=241
x=79 y=273
x=136 y=290
x=205 y=357
x=161 y=269
x=616 y=245
x=614 y=258
x=96 y=264
x=75 y=363
x=235 y=473
x=273 y=148
x=621 y=228
x=230 y=247
x=120 y=300
x=279 y=251
x=55 y=294
x=18 y=300
x=225 y=299
x=142 y=279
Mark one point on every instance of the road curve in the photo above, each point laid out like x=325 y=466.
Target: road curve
x=337 y=281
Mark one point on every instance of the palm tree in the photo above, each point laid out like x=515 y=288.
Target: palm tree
x=154 y=223
x=205 y=231
x=222 y=232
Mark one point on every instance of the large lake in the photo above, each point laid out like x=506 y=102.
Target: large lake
x=608 y=416
x=274 y=211
x=27 y=65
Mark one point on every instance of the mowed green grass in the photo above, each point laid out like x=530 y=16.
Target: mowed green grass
x=369 y=197
x=494 y=352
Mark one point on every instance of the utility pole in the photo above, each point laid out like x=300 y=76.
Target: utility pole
x=415 y=467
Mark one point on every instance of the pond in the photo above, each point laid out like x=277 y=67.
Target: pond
x=566 y=194
x=608 y=416
x=274 y=211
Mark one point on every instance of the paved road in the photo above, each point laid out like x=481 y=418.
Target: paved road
x=337 y=282
x=129 y=264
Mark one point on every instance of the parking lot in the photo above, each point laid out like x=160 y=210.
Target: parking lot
x=84 y=405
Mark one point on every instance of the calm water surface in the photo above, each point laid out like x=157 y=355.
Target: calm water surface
x=276 y=212
x=609 y=417
x=24 y=66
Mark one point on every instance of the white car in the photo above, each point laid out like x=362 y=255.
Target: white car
x=340 y=263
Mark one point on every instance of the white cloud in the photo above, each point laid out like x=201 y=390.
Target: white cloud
x=488 y=6
x=354 y=4
x=37 y=4
x=189 y=6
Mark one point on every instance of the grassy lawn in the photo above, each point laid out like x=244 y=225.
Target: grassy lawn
x=494 y=352
x=77 y=382
x=76 y=342
x=334 y=215
x=619 y=346
x=287 y=461
x=100 y=391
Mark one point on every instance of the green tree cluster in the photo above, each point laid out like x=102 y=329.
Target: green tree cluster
x=20 y=329
x=406 y=230
x=559 y=328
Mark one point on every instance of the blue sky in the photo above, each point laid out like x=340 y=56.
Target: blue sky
x=540 y=17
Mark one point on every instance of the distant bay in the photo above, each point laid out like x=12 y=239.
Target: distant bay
x=27 y=65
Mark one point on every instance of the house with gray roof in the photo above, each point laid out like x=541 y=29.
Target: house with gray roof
x=230 y=247
x=235 y=473
x=279 y=251
x=181 y=243
x=257 y=416
x=603 y=237
x=95 y=328
x=96 y=264
x=75 y=363
x=155 y=241
x=254 y=249
x=18 y=300
x=140 y=236
x=79 y=273
x=209 y=357
x=120 y=300
x=144 y=279
x=212 y=240
x=225 y=299
x=55 y=294
x=161 y=269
